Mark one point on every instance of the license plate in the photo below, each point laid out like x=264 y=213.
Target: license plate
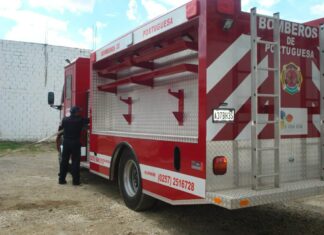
x=223 y=115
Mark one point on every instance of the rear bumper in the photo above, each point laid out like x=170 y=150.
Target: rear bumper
x=246 y=197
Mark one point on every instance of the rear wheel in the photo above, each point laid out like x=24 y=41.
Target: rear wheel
x=130 y=184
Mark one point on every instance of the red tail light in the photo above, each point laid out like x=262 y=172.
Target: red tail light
x=220 y=165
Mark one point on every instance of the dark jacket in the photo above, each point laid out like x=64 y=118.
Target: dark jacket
x=73 y=126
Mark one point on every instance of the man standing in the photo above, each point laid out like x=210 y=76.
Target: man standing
x=72 y=127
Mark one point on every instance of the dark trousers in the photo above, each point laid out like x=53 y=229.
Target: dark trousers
x=71 y=148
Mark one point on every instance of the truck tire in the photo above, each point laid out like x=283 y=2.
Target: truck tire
x=130 y=184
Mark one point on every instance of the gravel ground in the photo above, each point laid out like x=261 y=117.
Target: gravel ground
x=31 y=202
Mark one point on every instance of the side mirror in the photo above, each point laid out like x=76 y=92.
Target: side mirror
x=50 y=98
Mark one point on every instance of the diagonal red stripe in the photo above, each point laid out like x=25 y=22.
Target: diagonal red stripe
x=228 y=84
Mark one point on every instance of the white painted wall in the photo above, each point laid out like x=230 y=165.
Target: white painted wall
x=27 y=72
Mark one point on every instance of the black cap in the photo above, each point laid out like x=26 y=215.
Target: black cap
x=74 y=110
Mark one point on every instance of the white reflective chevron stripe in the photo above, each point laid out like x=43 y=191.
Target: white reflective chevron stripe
x=316 y=76
x=225 y=62
x=237 y=99
x=316 y=121
x=316 y=80
x=246 y=132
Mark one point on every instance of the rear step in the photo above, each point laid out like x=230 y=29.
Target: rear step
x=246 y=197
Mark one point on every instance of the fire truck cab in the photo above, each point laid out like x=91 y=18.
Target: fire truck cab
x=75 y=92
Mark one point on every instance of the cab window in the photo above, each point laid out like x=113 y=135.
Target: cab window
x=68 y=87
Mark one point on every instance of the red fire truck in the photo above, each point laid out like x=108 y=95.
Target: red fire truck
x=206 y=104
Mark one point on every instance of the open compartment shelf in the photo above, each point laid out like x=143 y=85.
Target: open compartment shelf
x=145 y=60
x=166 y=50
x=147 y=78
x=112 y=87
x=113 y=69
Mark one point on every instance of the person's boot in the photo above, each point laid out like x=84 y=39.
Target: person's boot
x=62 y=181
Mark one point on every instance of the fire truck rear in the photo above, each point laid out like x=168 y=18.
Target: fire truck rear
x=209 y=104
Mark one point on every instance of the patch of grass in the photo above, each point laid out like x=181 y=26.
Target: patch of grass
x=10 y=145
x=7 y=147
x=46 y=146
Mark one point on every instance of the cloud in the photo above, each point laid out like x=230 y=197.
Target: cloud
x=89 y=37
x=173 y=3
x=111 y=15
x=156 y=8
x=245 y=3
x=263 y=6
x=11 y=5
x=317 y=9
x=35 y=21
x=267 y=3
x=35 y=27
x=263 y=11
x=153 y=8
x=132 y=10
x=100 y=25
x=74 y=6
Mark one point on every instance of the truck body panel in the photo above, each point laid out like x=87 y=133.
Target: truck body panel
x=160 y=90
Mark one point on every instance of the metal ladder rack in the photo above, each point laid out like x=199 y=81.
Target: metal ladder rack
x=257 y=150
x=321 y=41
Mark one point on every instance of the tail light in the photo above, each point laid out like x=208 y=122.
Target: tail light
x=220 y=165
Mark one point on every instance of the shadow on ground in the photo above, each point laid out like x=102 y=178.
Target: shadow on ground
x=209 y=219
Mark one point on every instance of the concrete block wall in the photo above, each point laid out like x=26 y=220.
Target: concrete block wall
x=27 y=72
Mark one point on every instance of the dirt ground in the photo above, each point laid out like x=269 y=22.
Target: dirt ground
x=32 y=202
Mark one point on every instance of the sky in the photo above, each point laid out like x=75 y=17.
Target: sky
x=92 y=24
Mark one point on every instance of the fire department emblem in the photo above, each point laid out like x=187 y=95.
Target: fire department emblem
x=291 y=78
